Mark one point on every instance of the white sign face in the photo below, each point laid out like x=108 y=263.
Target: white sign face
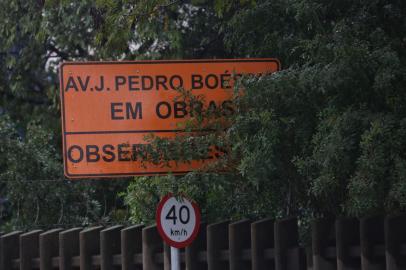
x=178 y=221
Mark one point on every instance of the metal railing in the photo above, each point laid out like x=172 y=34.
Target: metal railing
x=372 y=243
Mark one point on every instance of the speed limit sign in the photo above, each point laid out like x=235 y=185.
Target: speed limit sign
x=178 y=220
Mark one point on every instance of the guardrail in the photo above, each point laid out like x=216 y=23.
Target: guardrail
x=347 y=243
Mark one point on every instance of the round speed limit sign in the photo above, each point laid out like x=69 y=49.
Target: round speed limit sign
x=178 y=220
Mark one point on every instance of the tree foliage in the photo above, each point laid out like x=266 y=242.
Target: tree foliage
x=35 y=37
x=324 y=136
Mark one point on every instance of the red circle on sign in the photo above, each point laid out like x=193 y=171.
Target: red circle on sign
x=161 y=230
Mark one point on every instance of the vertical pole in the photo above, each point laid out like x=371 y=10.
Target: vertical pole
x=323 y=239
x=131 y=247
x=217 y=244
x=10 y=250
x=110 y=245
x=288 y=254
x=239 y=240
x=372 y=237
x=29 y=243
x=347 y=235
x=151 y=245
x=175 y=259
x=68 y=248
x=89 y=246
x=192 y=260
x=262 y=238
x=48 y=248
x=395 y=235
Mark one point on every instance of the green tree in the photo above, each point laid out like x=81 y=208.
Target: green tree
x=35 y=37
x=325 y=136
x=322 y=137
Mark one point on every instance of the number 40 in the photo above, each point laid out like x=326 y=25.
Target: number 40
x=183 y=213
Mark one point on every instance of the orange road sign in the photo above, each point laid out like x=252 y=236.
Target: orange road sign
x=109 y=107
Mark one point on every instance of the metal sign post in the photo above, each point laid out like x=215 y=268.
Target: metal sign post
x=175 y=259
